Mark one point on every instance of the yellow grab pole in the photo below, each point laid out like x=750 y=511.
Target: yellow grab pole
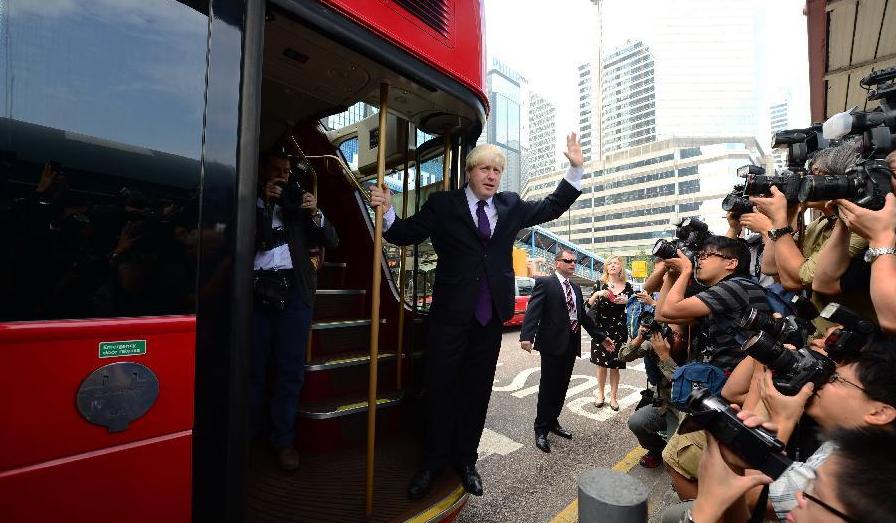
x=446 y=164
x=402 y=283
x=375 y=299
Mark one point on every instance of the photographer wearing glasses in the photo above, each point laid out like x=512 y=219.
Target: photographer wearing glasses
x=722 y=265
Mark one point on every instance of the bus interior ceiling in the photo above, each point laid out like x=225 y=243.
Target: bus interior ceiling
x=308 y=76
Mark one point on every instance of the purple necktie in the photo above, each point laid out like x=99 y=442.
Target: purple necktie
x=483 y=311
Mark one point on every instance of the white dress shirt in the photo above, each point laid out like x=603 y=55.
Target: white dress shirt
x=278 y=257
x=573 y=176
x=573 y=314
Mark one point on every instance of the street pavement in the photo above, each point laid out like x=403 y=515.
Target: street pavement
x=523 y=484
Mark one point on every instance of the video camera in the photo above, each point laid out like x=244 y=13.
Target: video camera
x=759 y=448
x=690 y=233
x=801 y=144
x=736 y=203
x=868 y=181
x=845 y=343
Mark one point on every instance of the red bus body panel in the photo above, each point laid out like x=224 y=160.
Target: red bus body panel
x=460 y=54
x=47 y=447
x=520 y=303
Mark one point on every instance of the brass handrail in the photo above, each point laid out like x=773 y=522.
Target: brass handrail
x=375 y=298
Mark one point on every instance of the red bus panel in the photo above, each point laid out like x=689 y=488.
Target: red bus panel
x=46 y=437
x=453 y=46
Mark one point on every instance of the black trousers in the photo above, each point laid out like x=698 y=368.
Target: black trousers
x=460 y=372
x=555 y=373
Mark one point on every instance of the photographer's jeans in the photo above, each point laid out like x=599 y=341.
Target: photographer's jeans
x=279 y=337
x=647 y=422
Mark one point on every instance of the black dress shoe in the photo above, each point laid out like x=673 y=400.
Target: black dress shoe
x=471 y=480
x=541 y=441
x=421 y=483
x=560 y=431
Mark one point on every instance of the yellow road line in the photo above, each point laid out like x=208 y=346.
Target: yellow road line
x=570 y=514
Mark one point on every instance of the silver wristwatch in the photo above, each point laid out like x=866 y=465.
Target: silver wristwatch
x=873 y=252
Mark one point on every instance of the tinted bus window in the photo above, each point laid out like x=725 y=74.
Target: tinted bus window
x=100 y=141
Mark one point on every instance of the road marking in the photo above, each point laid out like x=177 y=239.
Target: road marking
x=570 y=514
x=518 y=381
x=493 y=442
x=577 y=405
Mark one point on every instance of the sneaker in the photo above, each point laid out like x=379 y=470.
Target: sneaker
x=288 y=458
x=650 y=461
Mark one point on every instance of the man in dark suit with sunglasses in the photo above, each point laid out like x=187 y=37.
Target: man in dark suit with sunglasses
x=553 y=325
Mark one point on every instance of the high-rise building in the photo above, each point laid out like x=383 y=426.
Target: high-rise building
x=628 y=116
x=541 y=155
x=507 y=122
x=779 y=120
x=586 y=86
x=640 y=192
x=680 y=106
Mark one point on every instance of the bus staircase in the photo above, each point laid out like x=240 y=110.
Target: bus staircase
x=332 y=425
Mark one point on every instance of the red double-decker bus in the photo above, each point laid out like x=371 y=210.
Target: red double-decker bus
x=130 y=138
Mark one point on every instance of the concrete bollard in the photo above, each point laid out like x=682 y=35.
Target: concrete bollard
x=607 y=496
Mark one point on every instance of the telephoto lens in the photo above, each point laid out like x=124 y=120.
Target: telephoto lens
x=664 y=249
x=759 y=448
x=822 y=188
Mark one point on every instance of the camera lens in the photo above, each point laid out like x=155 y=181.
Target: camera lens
x=820 y=188
x=737 y=204
x=756 y=320
x=664 y=249
x=764 y=348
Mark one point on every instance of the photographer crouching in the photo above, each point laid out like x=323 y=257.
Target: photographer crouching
x=288 y=225
x=655 y=416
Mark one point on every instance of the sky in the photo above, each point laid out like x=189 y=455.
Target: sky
x=546 y=45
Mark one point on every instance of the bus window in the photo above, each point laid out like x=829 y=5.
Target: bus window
x=100 y=141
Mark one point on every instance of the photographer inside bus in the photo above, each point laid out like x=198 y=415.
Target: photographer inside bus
x=288 y=225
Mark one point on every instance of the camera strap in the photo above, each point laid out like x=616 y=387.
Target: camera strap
x=758 y=515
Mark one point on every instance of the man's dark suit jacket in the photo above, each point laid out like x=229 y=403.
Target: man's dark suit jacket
x=446 y=219
x=547 y=319
x=302 y=234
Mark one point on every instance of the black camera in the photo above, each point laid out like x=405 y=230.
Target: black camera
x=648 y=397
x=666 y=249
x=647 y=321
x=692 y=232
x=759 y=448
x=791 y=368
x=800 y=144
x=845 y=343
x=761 y=185
x=866 y=183
x=736 y=203
x=292 y=188
x=793 y=329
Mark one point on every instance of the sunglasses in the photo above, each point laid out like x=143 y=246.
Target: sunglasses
x=567 y=260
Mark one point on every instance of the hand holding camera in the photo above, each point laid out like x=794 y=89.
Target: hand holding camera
x=784 y=411
x=774 y=206
x=878 y=227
